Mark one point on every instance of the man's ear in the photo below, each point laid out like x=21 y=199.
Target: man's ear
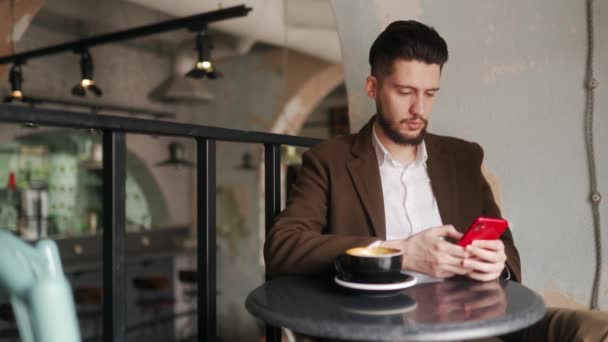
x=371 y=86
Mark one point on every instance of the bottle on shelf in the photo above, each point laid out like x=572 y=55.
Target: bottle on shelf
x=9 y=205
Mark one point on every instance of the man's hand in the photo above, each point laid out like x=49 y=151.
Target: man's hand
x=487 y=259
x=427 y=252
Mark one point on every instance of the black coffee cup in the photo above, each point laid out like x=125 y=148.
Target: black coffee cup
x=369 y=264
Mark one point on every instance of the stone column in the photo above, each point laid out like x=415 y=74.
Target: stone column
x=358 y=23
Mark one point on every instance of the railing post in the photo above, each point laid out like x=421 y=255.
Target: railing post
x=272 y=191
x=114 y=211
x=206 y=211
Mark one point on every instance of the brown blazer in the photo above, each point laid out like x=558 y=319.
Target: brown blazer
x=337 y=203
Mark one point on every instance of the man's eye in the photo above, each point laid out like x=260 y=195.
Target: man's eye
x=430 y=94
x=405 y=92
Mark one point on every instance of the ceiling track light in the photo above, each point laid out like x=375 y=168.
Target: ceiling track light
x=192 y=23
x=86 y=82
x=204 y=67
x=16 y=82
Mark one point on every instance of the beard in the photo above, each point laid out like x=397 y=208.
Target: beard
x=392 y=130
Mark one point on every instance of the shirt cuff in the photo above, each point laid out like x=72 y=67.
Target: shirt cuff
x=506 y=273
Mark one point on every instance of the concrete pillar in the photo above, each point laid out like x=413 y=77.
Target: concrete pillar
x=359 y=22
x=306 y=98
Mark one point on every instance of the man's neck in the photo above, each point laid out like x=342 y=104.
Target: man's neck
x=405 y=154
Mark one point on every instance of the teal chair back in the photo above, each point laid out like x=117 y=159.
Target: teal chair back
x=40 y=294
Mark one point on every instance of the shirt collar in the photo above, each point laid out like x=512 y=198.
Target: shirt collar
x=384 y=156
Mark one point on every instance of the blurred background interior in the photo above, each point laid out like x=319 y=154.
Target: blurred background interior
x=514 y=83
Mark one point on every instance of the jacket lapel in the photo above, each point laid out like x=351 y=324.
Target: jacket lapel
x=365 y=174
x=439 y=167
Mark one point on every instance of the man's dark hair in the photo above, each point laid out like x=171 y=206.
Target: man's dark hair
x=408 y=40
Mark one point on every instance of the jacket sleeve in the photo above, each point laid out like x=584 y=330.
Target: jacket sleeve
x=299 y=241
x=490 y=209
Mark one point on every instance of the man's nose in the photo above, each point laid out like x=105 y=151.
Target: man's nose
x=418 y=106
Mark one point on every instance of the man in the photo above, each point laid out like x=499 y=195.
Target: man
x=393 y=184
x=393 y=181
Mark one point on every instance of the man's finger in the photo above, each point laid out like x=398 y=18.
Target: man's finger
x=451 y=232
x=443 y=231
x=481 y=266
x=487 y=255
x=457 y=269
x=454 y=250
x=495 y=245
x=448 y=259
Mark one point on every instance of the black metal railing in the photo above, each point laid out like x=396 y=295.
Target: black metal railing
x=114 y=205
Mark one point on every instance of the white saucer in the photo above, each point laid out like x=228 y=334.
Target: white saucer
x=386 y=312
x=408 y=282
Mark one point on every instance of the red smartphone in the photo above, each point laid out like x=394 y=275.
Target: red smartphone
x=484 y=228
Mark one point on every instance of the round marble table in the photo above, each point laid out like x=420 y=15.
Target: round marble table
x=454 y=309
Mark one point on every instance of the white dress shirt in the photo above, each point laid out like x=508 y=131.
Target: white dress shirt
x=409 y=203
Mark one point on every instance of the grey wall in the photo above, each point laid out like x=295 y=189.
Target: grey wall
x=514 y=83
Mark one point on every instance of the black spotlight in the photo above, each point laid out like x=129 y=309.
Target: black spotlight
x=86 y=82
x=204 y=67
x=176 y=156
x=16 y=80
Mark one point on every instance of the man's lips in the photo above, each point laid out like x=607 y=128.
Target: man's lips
x=413 y=124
